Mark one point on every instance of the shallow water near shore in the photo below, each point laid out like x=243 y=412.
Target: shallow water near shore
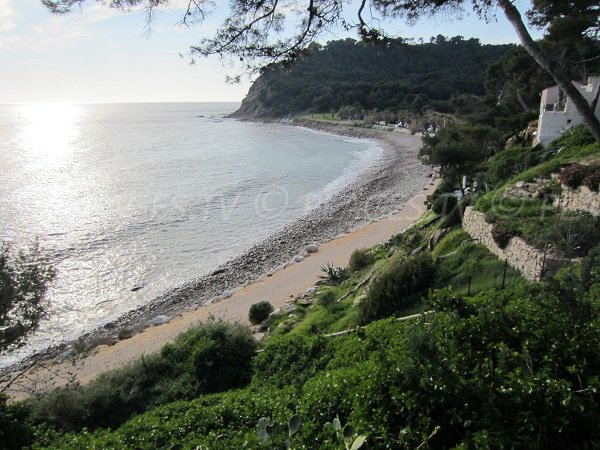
x=129 y=201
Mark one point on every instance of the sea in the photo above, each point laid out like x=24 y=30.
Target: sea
x=128 y=201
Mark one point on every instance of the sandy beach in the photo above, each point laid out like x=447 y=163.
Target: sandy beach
x=385 y=200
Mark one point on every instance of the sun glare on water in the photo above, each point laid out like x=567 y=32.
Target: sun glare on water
x=49 y=129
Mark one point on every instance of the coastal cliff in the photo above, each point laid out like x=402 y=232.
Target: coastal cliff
x=366 y=77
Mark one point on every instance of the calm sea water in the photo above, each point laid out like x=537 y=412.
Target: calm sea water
x=152 y=195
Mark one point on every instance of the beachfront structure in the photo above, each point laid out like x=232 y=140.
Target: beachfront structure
x=557 y=112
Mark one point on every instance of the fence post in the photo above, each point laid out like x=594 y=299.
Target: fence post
x=504 y=273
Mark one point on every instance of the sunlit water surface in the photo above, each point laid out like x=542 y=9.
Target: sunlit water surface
x=151 y=196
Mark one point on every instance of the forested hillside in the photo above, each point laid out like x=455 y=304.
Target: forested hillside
x=397 y=76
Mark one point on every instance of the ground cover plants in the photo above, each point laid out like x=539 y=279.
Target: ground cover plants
x=484 y=370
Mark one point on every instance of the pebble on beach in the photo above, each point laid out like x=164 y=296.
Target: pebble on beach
x=159 y=320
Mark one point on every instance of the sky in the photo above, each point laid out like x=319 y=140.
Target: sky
x=99 y=55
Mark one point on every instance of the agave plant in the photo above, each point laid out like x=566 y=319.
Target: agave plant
x=334 y=275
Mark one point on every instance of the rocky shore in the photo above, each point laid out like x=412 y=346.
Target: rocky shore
x=381 y=190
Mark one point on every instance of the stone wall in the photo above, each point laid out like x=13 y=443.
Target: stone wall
x=580 y=199
x=528 y=260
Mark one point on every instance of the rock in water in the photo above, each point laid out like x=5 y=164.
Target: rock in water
x=159 y=320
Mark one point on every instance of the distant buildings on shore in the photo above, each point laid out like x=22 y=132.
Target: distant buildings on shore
x=557 y=112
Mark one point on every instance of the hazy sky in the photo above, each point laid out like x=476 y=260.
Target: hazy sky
x=103 y=55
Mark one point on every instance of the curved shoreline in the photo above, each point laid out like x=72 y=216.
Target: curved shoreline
x=379 y=191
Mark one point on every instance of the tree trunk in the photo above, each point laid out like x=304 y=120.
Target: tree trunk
x=522 y=101
x=563 y=81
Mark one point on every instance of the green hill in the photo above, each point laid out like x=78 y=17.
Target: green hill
x=395 y=76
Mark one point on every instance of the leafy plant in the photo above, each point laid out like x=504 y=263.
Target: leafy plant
x=571 y=234
x=334 y=275
x=259 y=312
x=267 y=430
x=345 y=434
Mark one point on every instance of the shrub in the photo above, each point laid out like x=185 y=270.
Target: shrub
x=221 y=353
x=592 y=179
x=502 y=234
x=396 y=288
x=571 y=234
x=334 y=275
x=444 y=204
x=211 y=357
x=15 y=432
x=510 y=162
x=327 y=298
x=292 y=359
x=359 y=259
x=573 y=175
x=259 y=312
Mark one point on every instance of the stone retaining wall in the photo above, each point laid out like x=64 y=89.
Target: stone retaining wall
x=526 y=259
x=580 y=199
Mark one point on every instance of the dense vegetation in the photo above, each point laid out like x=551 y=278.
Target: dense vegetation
x=483 y=370
x=400 y=76
x=487 y=360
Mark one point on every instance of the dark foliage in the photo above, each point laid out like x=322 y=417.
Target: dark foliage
x=502 y=234
x=259 y=312
x=592 y=179
x=573 y=175
x=413 y=77
x=15 y=431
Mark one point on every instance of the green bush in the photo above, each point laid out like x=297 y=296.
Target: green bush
x=444 y=204
x=259 y=312
x=359 y=259
x=220 y=353
x=327 y=298
x=212 y=357
x=400 y=285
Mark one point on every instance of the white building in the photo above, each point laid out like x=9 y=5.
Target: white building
x=557 y=112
